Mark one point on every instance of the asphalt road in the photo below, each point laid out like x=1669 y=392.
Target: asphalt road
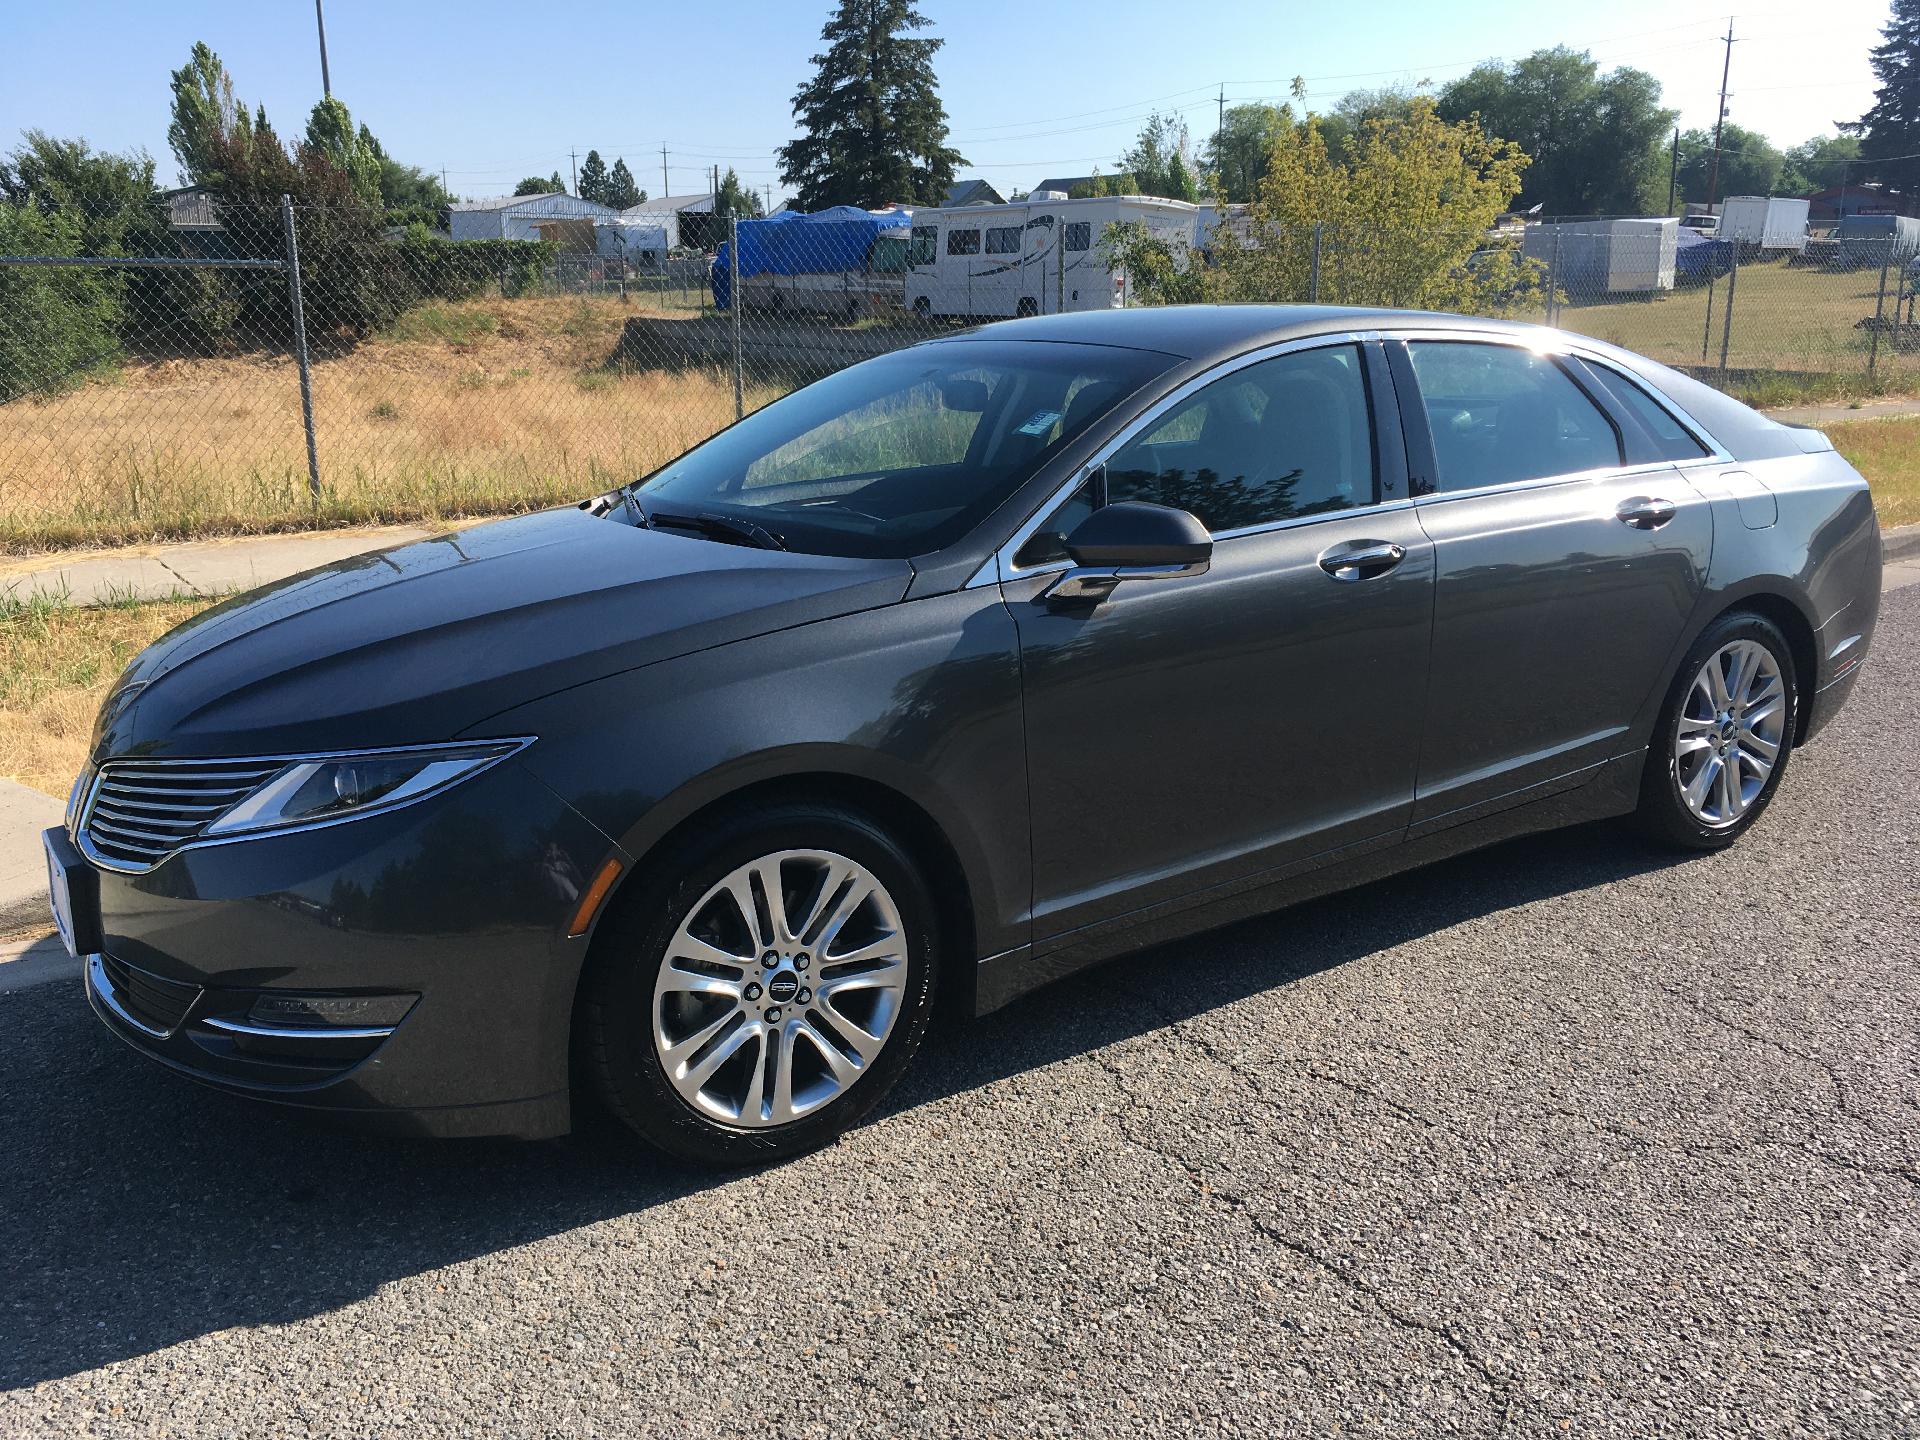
x=1566 y=1137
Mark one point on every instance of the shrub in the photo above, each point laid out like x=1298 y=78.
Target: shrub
x=55 y=324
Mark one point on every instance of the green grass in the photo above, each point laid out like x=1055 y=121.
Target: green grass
x=444 y=324
x=1887 y=452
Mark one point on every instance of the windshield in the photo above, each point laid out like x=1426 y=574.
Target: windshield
x=905 y=453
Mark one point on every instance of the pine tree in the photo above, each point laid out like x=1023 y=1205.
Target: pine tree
x=875 y=129
x=735 y=199
x=1890 y=131
x=621 y=192
x=593 y=178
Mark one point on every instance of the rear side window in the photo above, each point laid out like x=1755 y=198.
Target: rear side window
x=1004 y=240
x=921 y=252
x=1080 y=235
x=963 y=242
x=1501 y=414
x=1671 y=439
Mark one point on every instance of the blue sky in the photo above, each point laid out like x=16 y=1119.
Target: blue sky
x=494 y=91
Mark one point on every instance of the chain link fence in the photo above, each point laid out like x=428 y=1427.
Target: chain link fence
x=176 y=370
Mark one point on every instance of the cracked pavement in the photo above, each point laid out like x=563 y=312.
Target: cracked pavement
x=1566 y=1137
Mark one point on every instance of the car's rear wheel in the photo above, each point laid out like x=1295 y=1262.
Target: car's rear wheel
x=766 y=996
x=1722 y=741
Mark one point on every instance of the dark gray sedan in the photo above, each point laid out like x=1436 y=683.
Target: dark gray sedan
x=945 y=676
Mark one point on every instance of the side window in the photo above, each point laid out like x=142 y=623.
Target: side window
x=1671 y=439
x=963 y=242
x=1282 y=438
x=1079 y=235
x=1003 y=240
x=920 y=251
x=1501 y=414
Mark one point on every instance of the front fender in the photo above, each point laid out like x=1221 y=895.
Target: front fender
x=921 y=697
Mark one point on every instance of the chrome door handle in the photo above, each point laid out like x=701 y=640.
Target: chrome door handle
x=1645 y=512
x=1361 y=561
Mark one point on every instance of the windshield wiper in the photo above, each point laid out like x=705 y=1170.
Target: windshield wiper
x=717 y=527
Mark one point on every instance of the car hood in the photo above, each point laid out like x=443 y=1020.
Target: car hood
x=417 y=643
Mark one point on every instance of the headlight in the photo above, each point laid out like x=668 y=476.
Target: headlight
x=337 y=787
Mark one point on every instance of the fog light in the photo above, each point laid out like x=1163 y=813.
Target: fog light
x=321 y=1011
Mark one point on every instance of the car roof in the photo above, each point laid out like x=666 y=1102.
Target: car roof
x=1206 y=332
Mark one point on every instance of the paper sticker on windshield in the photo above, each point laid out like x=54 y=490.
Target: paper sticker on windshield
x=1042 y=421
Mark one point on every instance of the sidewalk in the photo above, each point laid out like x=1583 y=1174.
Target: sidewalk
x=1832 y=414
x=24 y=814
x=201 y=567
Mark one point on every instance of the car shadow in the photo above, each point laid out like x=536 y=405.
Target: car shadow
x=141 y=1211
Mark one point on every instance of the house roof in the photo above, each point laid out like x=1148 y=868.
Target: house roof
x=660 y=204
x=973 y=192
x=570 y=203
x=1066 y=184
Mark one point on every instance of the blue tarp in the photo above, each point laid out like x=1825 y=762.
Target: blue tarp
x=828 y=242
x=1701 y=257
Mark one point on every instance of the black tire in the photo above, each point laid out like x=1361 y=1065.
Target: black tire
x=617 y=1003
x=1026 y=308
x=923 y=308
x=1663 y=816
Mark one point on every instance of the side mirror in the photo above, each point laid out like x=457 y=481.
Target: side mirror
x=1132 y=540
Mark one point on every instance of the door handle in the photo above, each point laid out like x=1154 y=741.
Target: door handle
x=1361 y=560
x=1645 y=512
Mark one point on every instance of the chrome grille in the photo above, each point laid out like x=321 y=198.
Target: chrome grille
x=141 y=811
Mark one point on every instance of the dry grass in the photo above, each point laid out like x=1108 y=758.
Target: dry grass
x=1800 y=323
x=483 y=408
x=56 y=662
x=1887 y=452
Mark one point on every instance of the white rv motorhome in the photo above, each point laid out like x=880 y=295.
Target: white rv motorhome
x=1038 y=256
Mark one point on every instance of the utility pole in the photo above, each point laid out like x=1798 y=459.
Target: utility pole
x=665 y=188
x=1713 y=166
x=573 y=158
x=326 y=82
x=1221 y=123
x=1673 y=170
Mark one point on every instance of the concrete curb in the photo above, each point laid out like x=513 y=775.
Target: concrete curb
x=1900 y=543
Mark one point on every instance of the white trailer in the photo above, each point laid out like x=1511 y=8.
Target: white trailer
x=1605 y=257
x=1765 y=223
x=1039 y=256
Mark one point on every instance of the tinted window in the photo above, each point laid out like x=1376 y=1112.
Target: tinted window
x=1501 y=414
x=1080 y=235
x=1671 y=440
x=1282 y=438
x=1005 y=240
x=921 y=252
x=904 y=453
x=963 y=242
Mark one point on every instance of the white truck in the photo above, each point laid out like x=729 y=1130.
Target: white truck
x=1769 y=224
x=1038 y=256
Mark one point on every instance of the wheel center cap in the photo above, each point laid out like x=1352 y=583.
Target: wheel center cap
x=783 y=987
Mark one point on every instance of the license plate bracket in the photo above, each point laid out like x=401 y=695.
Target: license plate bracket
x=73 y=889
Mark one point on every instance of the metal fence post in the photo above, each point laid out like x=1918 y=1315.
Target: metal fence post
x=1313 y=275
x=1726 y=311
x=1879 y=308
x=733 y=304
x=1553 y=276
x=300 y=344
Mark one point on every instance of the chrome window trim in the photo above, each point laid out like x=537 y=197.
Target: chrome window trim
x=78 y=833
x=1000 y=566
x=1717 y=453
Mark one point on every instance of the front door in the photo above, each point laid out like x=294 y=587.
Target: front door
x=1565 y=575
x=1191 y=732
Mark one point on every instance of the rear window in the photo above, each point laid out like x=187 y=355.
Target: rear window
x=1671 y=439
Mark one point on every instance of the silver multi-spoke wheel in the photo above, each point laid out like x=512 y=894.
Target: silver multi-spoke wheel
x=1729 y=735
x=779 y=988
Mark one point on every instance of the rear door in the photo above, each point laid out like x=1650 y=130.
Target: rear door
x=1567 y=564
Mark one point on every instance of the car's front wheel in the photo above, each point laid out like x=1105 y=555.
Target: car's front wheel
x=1723 y=737
x=765 y=996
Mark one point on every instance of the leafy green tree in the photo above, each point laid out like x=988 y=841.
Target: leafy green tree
x=1597 y=142
x=593 y=178
x=1890 y=130
x=410 y=195
x=1157 y=161
x=735 y=200
x=1749 y=164
x=622 y=192
x=330 y=131
x=874 y=128
x=1236 y=156
x=534 y=185
x=1339 y=126
x=1819 y=163
x=60 y=323
x=206 y=116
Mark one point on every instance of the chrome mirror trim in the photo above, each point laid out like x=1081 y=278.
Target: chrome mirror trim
x=1095 y=583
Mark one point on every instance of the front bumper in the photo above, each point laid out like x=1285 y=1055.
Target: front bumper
x=409 y=970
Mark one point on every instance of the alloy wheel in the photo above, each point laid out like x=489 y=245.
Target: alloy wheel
x=1730 y=732
x=779 y=988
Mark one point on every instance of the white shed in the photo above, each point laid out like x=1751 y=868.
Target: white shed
x=519 y=217
x=1606 y=257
